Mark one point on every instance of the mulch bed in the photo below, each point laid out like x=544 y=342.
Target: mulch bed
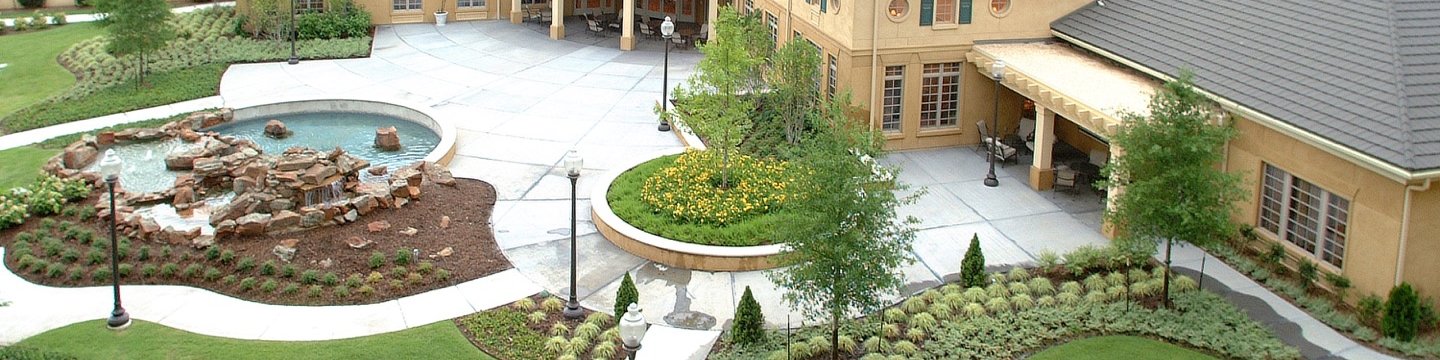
x=541 y=329
x=470 y=236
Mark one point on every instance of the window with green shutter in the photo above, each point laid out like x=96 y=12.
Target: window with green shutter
x=823 y=5
x=965 y=7
x=927 y=12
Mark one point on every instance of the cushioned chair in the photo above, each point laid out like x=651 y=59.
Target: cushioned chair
x=645 y=29
x=1066 y=179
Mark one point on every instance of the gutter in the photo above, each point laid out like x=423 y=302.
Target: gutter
x=1367 y=161
x=1405 y=229
x=875 y=65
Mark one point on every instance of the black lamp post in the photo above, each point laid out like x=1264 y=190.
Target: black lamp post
x=572 y=170
x=110 y=166
x=294 y=59
x=667 y=29
x=997 y=72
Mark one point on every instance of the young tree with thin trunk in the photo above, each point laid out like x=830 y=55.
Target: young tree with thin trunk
x=137 y=27
x=792 y=74
x=1170 y=184
x=844 y=252
x=718 y=98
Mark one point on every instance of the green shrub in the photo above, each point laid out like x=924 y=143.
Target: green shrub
x=55 y=270
x=12 y=211
x=76 y=273
x=425 y=267
x=227 y=256
x=229 y=280
x=365 y=290
x=245 y=264
x=125 y=269
x=269 y=285
x=1309 y=273
x=414 y=278
x=27 y=353
x=626 y=295
x=213 y=253
x=166 y=251
x=310 y=277
x=143 y=254
x=402 y=257
x=1340 y=283
x=192 y=271
x=536 y=317
x=330 y=279
x=247 y=283
x=972 y=267
x=749 y=321
x=149 y=270
x=315 y=291
x=170 y=269
x=354 y=280
x=342 y=291
x=290 y=288
x=212 y=274
x=268 y=268
x=552 y=304
x=1402 y=313
x=442 y=275
x=398 y=272
x=100 y=274
x=377 y=259
x=288 y=271
x=559 y=329
x=341 y=19
x=70 y=255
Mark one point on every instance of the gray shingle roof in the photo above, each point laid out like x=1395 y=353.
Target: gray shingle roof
x=1365 y=74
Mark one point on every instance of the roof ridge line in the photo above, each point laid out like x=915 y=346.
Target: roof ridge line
x=1407 y=132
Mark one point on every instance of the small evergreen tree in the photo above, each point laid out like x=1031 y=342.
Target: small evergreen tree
x=972 y=268
x=625 y=296
x=749 y=325
x=1402 y=313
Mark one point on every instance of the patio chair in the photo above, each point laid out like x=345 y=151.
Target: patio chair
x=547 y=16
x=1066 y=179
x=1004 y=153
x=704 y=34
x=595 y=28
x=678 y=40
x=645 y=29
x=984 y=136
x=533 y=14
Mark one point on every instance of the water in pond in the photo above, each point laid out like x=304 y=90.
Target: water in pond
x=144 y=169
x=354 y=132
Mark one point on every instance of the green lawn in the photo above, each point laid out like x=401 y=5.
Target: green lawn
x=145 y=340
x=32 y=73
x=14 y=13
x=19 y=166
x=1119 y=347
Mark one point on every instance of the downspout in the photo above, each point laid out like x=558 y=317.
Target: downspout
x=875 y=64
x=1405 y=229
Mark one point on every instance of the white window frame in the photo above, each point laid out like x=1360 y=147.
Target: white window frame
x=774 y=24
x=406 y=5
x=832 y=75
x=1318 y=230
x=940 y=109
x=304 y=6
x=892 y=103
x=953 y=9
x=470 y=4
x=749 y=7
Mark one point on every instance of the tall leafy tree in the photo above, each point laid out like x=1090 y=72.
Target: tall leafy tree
x=792 y=76
x=1170 y=186
x=845 y=250
x=137 y=27
x=718 y=97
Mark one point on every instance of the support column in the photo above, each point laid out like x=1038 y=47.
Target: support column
x=1106 y=228
x=627 y=26
x=711 y=16
x=557 y=19
x=517 y=13
x=1042 y=175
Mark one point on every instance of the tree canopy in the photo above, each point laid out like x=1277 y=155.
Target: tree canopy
x=137 y=27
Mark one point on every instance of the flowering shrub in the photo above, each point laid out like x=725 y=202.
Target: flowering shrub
x=12 y=212
x=689 y=189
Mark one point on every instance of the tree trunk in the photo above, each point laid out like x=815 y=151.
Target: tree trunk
x=835 y=333
x=1165 y=288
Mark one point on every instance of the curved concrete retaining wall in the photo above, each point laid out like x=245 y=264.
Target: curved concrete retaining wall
x=444 y=150
x=667 y=251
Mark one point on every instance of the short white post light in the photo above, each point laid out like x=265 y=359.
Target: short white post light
x=632 y=329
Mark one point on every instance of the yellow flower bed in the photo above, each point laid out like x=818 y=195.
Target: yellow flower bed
x=689 y=189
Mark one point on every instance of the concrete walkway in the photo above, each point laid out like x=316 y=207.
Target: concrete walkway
x=79 y=18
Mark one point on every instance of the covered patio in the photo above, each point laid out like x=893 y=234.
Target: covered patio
x=628 y=21
x=1074 y=102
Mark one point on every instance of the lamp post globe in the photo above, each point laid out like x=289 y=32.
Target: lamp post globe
x=573 y=164
x=667 y=29
x=997 y=72
x=632 y=330
x=110 y=167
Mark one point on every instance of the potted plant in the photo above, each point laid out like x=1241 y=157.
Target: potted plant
x=441 y=14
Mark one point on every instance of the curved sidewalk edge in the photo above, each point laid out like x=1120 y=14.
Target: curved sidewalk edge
x=35 y=309
x=28 y=137
x=1314 y=339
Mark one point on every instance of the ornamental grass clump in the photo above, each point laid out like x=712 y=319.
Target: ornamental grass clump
x=690 y=190
x=1041 y=286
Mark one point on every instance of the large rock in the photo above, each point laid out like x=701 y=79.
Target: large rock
x=377 y=226
x=295 y=162
x=148 y=134
x=78 y=155
x=202 y=241
x=253 y=224
x=387 y=138
x=358 y=242
x=225 y=228
x=276 y=129
x=365 y=204
x=284 y=219
x=209 y=167
x=311 y=217
x=183 y=195
x=243 y=204
x=315 y=174
x=286 y=249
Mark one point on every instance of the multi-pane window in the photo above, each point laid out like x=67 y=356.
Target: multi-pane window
x=309 y=5
x=749 y=7
x=1303 y=214
x=402 y=5
x=945 y=11
x=894 y=98
x=470 y=3
x=832 y=75
x=940 y=95
x=819 y=81
x=774 y=24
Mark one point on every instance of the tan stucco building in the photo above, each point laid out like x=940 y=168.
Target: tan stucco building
x=1339 y=119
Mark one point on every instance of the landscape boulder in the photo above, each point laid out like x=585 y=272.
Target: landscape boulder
x=276 y=129
x=387 y=138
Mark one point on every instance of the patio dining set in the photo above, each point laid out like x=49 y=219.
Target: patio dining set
x=606 y=22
